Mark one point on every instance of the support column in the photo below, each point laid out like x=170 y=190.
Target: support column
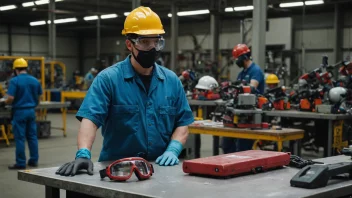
x=259 y=32
x=9 y=39
x=214 y=32
x=98 y=39
x=52 y=30
x=174 y=36
x=136 y=4
x=338 y=35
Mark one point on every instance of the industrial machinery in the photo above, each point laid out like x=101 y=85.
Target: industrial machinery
x=57 y=74
x=277 y=99
x=188 y=78
x=244 y=112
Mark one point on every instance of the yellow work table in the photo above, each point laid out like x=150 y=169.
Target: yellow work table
x=279 y=136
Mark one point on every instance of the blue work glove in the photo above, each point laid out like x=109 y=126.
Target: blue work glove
x=170 y=156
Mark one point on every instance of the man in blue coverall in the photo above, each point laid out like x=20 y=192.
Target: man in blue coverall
x=89 y=77
x=140 y=105
x=252 y=75
x=23 y=93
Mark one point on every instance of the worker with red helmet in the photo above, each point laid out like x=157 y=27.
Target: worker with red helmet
x=254 y=76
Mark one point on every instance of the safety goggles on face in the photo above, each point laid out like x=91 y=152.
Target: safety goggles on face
x=121 y=170
x=148 y=43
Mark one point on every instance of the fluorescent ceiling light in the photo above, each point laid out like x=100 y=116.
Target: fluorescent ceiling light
x=8 y=7
x=58 y=0
x=67 y=20
x=41 y=2
x=293 y=4
x=35 y=23
x=243 y=8
x=193 y=12
x=108 y=16
x=89 y=18
x=126 y=13
x=169 y=15
x=229 y=9
x=313 y=2
x=28 y=4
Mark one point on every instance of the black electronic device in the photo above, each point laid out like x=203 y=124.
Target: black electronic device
x=316 y=176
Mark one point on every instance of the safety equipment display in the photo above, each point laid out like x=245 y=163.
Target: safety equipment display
x=336 y=94
x=143 y=21
x=146 y=58
x=147 y=43
x=20 y=63
x=240 y=50
x=207 y=83
x=272 y=79
x=71 y=168
x=121 y=170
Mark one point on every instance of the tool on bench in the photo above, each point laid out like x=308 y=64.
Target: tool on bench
x=298 y=162
x=277 y=99
x=226 y=165
x=243 y=112
x=316 y=176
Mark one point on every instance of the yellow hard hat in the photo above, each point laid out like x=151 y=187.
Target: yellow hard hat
x=143 y=21
x=20 y=63
x=272 y=79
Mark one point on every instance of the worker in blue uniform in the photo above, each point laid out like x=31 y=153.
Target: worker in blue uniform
x=23 y=93
x=89 y=77
x=140 y=105
x=253 y=76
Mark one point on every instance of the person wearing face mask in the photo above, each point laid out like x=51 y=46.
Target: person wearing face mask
x=252 y=75
x=140 y=105
x=23 y=94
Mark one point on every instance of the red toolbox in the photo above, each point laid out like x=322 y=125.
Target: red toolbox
x=236 y=163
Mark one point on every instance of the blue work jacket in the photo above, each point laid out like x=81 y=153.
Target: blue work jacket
x=134 y=122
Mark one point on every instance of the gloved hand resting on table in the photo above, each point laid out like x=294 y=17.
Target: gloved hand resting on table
x=170 y=156
x=82 y=162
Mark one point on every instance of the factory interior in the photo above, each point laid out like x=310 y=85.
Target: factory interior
x=177 y=98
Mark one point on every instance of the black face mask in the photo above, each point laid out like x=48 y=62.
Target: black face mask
x=240 y=63
x=146 y=58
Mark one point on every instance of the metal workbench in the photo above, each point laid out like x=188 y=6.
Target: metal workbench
x=314 y=116
x=172 y=182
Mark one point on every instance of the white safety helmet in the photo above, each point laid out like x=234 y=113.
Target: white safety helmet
x=207 y=83
x=336 y=94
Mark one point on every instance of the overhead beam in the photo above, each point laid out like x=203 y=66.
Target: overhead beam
x=174 y=36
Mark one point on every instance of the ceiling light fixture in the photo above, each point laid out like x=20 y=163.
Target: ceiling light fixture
x=293 y=4
x=243 y=8
x=108 y=16
x=193 y=12
x=90 y=18
x=169 y=15
x=35 y=23
x=41 y=2
x=230 y=9
x=28 y=4
x=66 y=20
x=314 y=2
x=8 y=7
x=126 y=13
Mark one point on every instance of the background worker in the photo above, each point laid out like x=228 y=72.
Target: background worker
x=89 y=77
x=252 y=75
x=141 y=106
x=23 y=93
x=272 y=81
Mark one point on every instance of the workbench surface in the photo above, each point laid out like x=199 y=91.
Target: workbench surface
x=6 y=113
x=205 y=102
x=221 y=128
x=310 y=115
x=172 y=182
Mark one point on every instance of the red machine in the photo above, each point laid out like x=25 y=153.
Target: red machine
x=236 y=163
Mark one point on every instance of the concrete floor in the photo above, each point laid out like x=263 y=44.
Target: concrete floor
x=55 y=151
